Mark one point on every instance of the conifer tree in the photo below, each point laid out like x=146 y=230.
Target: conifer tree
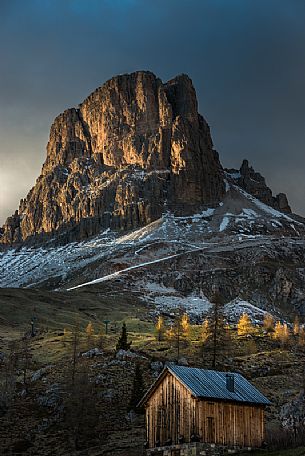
x=138 y=389
x=244 y=326
x=122 y=343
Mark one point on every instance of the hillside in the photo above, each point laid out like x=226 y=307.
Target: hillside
x=134 y=218
x=38 y=415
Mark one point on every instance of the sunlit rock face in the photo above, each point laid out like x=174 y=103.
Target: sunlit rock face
x=134 y=149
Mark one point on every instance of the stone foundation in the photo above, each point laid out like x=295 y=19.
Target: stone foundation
x=195 y=449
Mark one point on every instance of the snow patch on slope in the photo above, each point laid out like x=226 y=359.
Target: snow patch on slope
x=234 y=309
x=224 y=223
x=167 y=299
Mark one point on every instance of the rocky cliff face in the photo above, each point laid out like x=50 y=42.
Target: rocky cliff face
x=134 y=149
x=255 y=184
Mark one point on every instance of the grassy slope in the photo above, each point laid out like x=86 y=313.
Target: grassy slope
x=277 y=372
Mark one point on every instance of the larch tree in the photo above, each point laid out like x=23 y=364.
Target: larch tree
x=160 y=327
x=65 y=338
x=301 y=339
x=244 y=325
x=205 y=335
x=281 y=332
x=278 y=329
x=296 y=326
x=101 y=338
x=80 y=403
x=175 y=333
x=205 y=332
x=8 y=385
x=285 y=336
x=217 y=325
x=25 y=358
x=268 y=323
x=185 y=325
x=89 y=332
x=75 y=345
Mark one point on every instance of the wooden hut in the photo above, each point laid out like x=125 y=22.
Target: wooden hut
x=187 y=404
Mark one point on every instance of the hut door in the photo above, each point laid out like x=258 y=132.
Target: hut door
x=211 y=430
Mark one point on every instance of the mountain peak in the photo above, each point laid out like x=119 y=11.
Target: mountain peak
x=133 y=149
x=255 y=184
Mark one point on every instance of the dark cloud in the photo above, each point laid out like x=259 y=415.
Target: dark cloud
x=246 y=59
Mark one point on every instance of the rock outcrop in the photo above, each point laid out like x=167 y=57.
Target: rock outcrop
x=132 y=150
x=255 y=184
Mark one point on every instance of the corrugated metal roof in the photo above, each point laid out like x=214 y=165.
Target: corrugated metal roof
x=211 y=384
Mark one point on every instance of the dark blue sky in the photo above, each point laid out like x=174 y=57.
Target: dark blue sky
x=246 y=59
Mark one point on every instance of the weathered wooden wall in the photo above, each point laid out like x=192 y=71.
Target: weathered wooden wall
x=172 y=411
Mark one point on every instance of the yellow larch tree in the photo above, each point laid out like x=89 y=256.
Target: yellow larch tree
x=170 y=332
x=89 y=331
x=160 y=327
x=296 y=326
x=185 y=325
x=285 y=336
x=281 y=332
x=268 y=323
x=244 y=325
x=205 y=332
x=278 y=330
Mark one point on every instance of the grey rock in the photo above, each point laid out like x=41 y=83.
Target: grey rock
x=52 y=397
x=40 y=373
x=127 y=354
x=183 y=361
x=156 y=366
x=92 y=353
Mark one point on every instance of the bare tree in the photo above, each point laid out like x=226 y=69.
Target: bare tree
x=75 y=345
x=24 y=357
x=8 y=385
x=175 y=333
x=80 y=405
x=217 y=325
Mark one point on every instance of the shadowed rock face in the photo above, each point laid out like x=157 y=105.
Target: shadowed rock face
x=255 y=184
x=132 y=150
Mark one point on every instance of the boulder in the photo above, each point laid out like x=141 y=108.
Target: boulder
x=92 y=353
